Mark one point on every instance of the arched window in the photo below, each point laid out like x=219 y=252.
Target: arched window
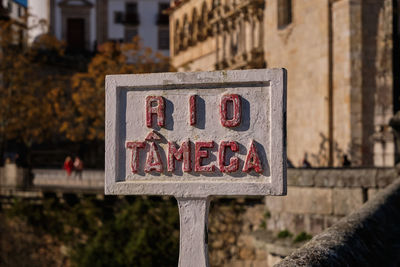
x=195 y=26
x=177 y=38
x=284 y=13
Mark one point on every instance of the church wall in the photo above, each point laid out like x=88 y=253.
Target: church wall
x=302 y=48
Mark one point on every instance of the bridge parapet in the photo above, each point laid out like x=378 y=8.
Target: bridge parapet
x=58 y=178
x=367 y=237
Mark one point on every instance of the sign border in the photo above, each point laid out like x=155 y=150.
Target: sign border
x=278 y=83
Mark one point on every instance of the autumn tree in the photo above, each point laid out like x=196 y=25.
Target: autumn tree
x=87 y=112
x=30 y=88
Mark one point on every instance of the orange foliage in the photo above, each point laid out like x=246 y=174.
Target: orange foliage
x=29 y=87
x=86 y=113
x=39 y=99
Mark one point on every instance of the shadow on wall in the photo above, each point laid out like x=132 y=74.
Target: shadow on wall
x=321 y=158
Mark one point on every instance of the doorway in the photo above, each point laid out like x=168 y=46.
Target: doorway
x=76 y=34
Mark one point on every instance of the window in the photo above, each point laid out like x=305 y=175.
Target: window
x=163 y=38
x=131 y=14
x=19 y=11
x=131 y=8
x=130 y=33
x=284 y=13
x=162 y=19
x=76 y=34
x=118 y=17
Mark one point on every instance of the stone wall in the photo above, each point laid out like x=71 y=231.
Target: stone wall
x=317 y=198
x=261 y=231
x=12 y=176
x=368 y=237
x=338 y=54
x=302 y=48
x=93 y=179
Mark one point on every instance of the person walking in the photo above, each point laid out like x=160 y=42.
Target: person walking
x=68 y=165
x=78 y=167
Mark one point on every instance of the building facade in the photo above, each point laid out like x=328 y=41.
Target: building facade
x=83 y=24
x=340 y=60
x=16 y=11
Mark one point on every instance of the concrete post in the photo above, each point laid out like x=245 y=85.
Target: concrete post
x=193 y=216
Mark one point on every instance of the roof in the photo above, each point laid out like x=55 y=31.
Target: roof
x=23 y=3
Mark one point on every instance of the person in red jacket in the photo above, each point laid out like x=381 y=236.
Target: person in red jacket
x=68 y=165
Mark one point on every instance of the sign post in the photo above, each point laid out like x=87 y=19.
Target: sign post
x=195 y=135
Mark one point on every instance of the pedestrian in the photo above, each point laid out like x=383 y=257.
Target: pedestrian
x=68 y=165
x=78 y=167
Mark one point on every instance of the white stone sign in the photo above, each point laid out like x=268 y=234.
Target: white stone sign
x=196 y=134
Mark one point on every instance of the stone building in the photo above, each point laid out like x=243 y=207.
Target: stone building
x=342 y=67
x=85 y=23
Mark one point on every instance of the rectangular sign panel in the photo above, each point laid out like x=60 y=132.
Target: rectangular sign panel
x=196 y=133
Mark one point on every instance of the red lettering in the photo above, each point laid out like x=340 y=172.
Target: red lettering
x=234 y=161
x=135 y=154
x=159 y=110
x=252 y=160
x=183 y=152
x=237 y=110
x=192 y=109
x=153 y=161
x=152 y=136
x=199 y=154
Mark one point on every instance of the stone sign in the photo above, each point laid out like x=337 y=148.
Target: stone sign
x=196 y=134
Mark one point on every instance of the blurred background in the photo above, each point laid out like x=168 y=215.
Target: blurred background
x=342 y=58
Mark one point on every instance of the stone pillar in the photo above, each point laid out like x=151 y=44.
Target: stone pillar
x=243 y=38
x=377 y=59
x=395 y=124
x=12 y=176
x=256 y=33
x=347 y=81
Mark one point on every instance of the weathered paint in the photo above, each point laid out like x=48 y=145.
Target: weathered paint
x=152 y=136
x=234 y=161
x=135 y=146
x=252 y=160
x=199 y=154
x=182 y=153
x=192 y=110
x=193 y=218
x=236 y=113
x=159 y=110
x=153 y=160
x=262 y=94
